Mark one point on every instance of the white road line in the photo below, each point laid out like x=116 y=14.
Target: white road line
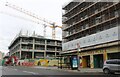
x=15 y=69
x=30 y=72
x=10 y=68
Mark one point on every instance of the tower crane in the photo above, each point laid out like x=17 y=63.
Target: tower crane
x=33 y=15
x=20 y=17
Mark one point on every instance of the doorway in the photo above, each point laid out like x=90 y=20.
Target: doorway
x=98 y=61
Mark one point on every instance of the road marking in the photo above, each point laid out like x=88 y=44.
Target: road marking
x=15 y=69
x=30 y=72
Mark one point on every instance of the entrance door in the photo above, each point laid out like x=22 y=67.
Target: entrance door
x=86 y=61
x=98 y=61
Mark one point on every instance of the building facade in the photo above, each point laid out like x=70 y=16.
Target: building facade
x=92 y=27
x=34 y=47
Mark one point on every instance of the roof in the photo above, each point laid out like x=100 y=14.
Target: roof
x=26 y=36
x=67 y=3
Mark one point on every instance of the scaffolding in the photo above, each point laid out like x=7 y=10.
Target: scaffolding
x=87 y=18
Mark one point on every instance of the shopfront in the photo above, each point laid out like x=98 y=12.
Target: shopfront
x=114 y=55
x=86 y=61
x=98 y=61
x=95 y=58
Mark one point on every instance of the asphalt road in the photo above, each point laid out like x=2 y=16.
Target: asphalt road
x=19 y=71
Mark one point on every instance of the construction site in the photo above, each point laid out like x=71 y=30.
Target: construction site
x=90 y=30
x=34 y=46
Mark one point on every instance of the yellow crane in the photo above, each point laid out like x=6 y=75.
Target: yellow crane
x=20 y=17
x=51 y=24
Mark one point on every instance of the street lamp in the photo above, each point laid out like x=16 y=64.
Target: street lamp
x=78 y=46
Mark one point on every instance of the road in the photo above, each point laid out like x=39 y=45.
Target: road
x=46 y=72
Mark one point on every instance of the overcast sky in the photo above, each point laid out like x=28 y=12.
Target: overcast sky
x=12 y=21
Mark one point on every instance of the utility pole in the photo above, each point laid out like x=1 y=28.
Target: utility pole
x=78 y=46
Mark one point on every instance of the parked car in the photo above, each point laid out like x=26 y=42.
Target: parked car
x=111 y=66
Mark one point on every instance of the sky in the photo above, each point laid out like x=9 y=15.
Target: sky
x=13 y=21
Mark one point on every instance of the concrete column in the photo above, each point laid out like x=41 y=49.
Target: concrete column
x=91 y=61
x=32 y=54
x=55 y=42
x=20 y=48
x=33 y=48
x=17 y=54
x=20 y=54
x=45 y=48
x=105 y=56
x=55 y=51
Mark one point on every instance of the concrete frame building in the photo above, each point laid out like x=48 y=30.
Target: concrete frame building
x=33 y=47
x=94 y=28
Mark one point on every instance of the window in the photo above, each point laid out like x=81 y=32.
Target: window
x=112 y=62
x=98 y=19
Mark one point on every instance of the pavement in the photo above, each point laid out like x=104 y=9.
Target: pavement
x=82 y=70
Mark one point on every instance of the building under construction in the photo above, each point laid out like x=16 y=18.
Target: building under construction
x=92 y=29
x=35 y=47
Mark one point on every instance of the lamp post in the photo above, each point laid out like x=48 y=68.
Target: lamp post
x=78 y=46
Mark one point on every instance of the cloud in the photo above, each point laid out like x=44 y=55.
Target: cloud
x=10 y=25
